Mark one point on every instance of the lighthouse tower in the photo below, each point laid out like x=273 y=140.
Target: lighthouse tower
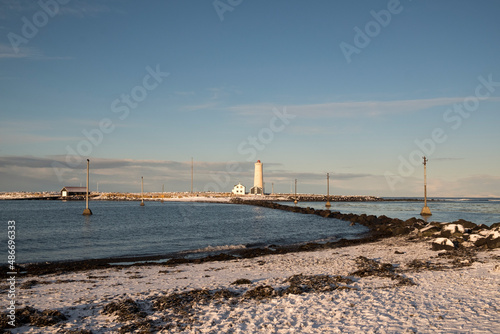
x=258 y=180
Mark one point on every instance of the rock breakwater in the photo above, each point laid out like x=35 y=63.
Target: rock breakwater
x=447 y=236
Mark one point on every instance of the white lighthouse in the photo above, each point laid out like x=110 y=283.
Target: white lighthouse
x=258 y=180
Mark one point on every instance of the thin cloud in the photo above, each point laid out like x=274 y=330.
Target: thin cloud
x=447 y=159
x=24 y=52
x=350 y=109
x=184 y=93
x=85 y=9
x=198 y=107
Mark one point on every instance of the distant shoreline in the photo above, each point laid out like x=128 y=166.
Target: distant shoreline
x=201 y=197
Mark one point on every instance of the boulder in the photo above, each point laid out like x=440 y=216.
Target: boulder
x=465 y=223
x=495 y=226
x=453 y=228
x=442 y=244
x=493 y=242
x=428 y=231
x=480 y=241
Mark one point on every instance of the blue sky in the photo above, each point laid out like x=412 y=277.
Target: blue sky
x=359 y=89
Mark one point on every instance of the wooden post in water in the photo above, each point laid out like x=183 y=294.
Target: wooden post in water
x=328 y=205
x=425 y=210
x=295 y=202
x=162 y=190
x=87 y=211
x=142 y=191
x=192 y=174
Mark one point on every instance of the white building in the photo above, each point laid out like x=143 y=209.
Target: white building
x=239 y=189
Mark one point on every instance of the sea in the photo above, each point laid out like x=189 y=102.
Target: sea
x=48 y=231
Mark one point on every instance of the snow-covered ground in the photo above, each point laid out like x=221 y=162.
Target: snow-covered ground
x=448 y=295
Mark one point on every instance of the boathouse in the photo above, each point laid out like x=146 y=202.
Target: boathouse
x=73 y=191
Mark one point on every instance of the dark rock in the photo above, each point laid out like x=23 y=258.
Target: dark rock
x=494 y=226
x=242 y=281
x=445 y=234
x=480 y=227
x=465 y=223
x=480 y=242
x=429 y=231
x=400 y=230
x=493 y=242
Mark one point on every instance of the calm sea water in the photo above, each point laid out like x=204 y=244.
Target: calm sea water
x=477 y=210
x=55 y=230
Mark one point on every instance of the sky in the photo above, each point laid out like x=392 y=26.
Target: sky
x=358 y=89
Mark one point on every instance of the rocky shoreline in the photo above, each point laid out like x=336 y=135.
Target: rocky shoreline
x=448 y=235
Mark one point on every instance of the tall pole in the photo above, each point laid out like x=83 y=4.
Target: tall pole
x=425 y=210
x=295 y=201
x=87 y=211
x=162 y=190
x=272 y=187
x=328 y=190
x=192 y=169
x=142 y=191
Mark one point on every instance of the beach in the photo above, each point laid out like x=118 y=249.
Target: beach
x=394 y=285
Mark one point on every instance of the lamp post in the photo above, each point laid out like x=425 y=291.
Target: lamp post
x=425 y=210
x=87 y=211
x=295 y=201
x=162 y=190
x=328 y=205
x=142 y=191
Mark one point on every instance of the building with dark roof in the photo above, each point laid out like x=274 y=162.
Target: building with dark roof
x=73 y=191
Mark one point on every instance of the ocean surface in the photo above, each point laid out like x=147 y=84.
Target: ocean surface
x=477 y=210
x=56 y=231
